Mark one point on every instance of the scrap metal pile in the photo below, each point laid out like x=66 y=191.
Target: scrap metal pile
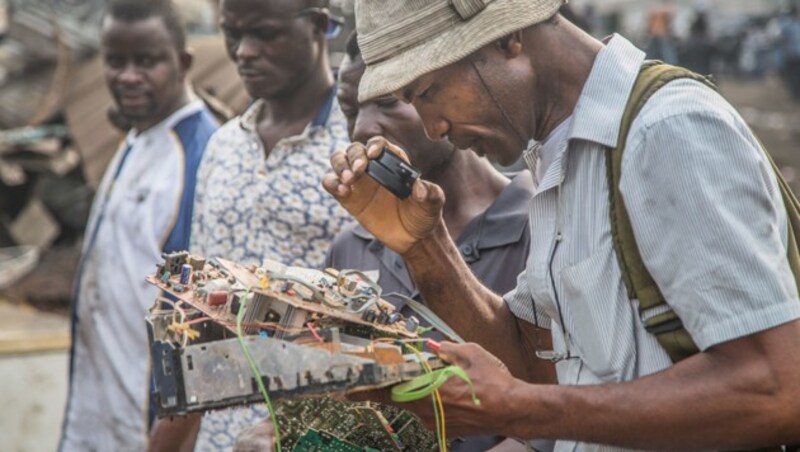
x=59 y=130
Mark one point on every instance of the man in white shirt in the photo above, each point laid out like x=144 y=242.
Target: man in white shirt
x=142 y=208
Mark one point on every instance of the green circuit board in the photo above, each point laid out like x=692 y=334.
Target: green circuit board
x=368 y=426
x=316 y=441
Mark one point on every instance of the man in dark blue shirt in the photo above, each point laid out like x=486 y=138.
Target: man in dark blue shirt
x=485 y=212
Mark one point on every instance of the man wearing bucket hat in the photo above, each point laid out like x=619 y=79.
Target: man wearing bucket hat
x=511 y=78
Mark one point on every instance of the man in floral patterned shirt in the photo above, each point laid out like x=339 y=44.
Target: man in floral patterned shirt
x=259 y=192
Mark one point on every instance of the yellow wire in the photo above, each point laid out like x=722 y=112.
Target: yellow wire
x=437 y=402
x=441 y=418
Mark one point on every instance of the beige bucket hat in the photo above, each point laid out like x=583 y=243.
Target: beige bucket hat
x=402 y=40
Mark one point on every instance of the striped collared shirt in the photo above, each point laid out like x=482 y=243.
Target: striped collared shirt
x=706 y=212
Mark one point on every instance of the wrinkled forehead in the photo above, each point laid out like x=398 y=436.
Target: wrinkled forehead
x=454 y=75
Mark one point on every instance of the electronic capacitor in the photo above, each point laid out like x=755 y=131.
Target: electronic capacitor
x=217 y=298
x=186 y=274
x=412 y=324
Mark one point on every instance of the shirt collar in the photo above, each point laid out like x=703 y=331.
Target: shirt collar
x=598 y=113
x=249 y=118
x=169 y=122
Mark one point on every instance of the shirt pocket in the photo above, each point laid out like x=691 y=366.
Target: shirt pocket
x=145 y=212
x=602 y=317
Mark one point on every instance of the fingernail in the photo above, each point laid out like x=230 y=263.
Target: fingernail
x=347 y=175
x=433 y=345
x=358 y=164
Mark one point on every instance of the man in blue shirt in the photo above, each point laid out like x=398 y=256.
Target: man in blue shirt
x=142 y=208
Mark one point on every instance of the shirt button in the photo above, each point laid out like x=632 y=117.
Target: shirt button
x=466 y=249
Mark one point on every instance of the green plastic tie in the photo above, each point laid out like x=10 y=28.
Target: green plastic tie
x=425 y=385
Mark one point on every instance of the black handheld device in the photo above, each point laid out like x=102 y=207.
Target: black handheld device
x=393 y=173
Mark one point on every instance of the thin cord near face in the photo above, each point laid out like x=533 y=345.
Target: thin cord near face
x=506 y=117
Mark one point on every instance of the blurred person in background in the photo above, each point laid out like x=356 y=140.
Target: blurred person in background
x=142 y=208
x=259 y=193
x=698 y=50
x=660 y=33
x=790 y=43
x=757 y=47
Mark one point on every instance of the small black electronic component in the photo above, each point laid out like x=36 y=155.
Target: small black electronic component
x=173 y=262
x=393 y=173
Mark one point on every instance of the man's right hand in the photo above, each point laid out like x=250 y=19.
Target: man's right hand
x=398 y=224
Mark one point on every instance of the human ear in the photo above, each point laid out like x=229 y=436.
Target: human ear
x=186 y=59
x=511 y=45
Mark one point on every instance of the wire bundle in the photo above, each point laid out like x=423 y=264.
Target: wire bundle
x=429 y=384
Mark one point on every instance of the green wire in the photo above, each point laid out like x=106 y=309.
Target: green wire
x=427 y=383
x=254 y=369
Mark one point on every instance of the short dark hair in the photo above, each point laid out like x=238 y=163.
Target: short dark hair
x=351 y=46
x=138 y=10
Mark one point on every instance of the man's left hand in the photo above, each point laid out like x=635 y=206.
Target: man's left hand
x=494 y=386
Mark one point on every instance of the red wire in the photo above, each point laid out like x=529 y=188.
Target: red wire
x=314 y=331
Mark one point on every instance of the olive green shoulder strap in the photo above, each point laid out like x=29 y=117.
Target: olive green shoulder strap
x=666 y=326
x=792 y=217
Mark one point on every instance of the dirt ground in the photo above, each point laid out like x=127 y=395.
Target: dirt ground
x=775 y=118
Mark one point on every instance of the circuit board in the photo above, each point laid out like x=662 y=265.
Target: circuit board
x=310 y=334
x=316 y=441
x=364 y=424
x=214 y=288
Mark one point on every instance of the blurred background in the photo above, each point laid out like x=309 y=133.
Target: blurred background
x=57 y=135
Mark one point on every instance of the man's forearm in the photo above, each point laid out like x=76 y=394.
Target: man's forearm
x=452 y=291
x=713 y=400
